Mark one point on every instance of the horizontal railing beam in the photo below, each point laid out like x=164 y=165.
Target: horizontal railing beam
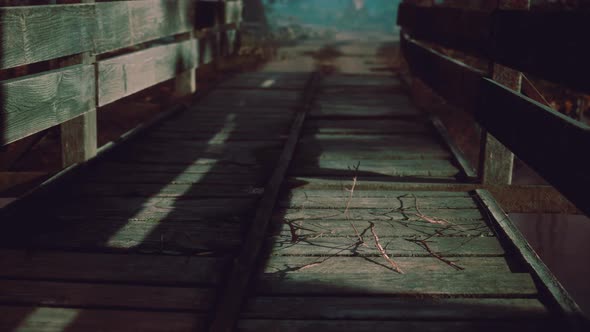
x=551 y=45
x=548 y=141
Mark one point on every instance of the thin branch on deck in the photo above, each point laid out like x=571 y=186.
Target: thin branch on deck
x=351 y=190
x=421 y=215
x=425 y=245
x=394 y=265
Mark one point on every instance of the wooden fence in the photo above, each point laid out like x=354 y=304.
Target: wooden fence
x=114 y=49
x=550 y=45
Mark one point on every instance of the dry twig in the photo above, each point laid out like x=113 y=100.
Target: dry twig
x=382 y=251
x=294 y=236
x=351 y=190
x=346 y=211
x=425 y=245
x=361 y=241
x=426 y=218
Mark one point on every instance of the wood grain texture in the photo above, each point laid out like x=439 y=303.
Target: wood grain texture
x=127 y=74
x=411 y=227
x=126 y=23
x=128 y=268
x=47 y=319
x=438 y=168
x=77 y=294
x=409 y=284
x=228 y=308
x=305 y=213
x=396 y=247
x=40 y=101
x=384 y=308
x=403 y=203
x=39 y=33
x=301 y=264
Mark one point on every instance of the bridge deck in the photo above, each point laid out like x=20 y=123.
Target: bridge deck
x=145 y=239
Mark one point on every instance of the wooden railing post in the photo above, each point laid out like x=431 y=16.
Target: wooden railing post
x=186 y=82
x=497 y=162
x=79 y=135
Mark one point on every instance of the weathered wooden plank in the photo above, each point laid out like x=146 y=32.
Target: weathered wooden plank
x=413 y=226
x=141 y=208
x=514 y=198
x=127 y=74
x=223 y=135
x=250 y=98
x=227 y=146
x=251 y=325
x=391 y=139
x=167 y=190
x=202 y=167
x=252 y=179
x=364 y=127
x=353 y=80
x=270 y=81
x=133 y=235
x=207 y=48
x=128 y=268
x=409 y=284
x=402 y=108
x=458 y=83
x=550 y=286
x=90 y=295
x=79 y=139
x=542 y=152
x=466 y=168
x=303 y=192
x=402 y=168
x=37 y=102
x=228 y=308
x=404 y=203
x=304 y=213
x=39 y=33
x=395 y=247
x=350 y=155
x=46 y=319
x=383 y=308
x=298 y=264
x=126 y=23
x=192 y=154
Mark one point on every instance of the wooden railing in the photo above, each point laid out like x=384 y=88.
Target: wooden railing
x=112 y=49
x=553 y=144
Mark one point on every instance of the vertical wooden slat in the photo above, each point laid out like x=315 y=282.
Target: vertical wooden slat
x=186 y=82
x=497 y=162
x=79 y=135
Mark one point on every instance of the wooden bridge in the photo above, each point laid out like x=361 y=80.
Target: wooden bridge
x=280 y=201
